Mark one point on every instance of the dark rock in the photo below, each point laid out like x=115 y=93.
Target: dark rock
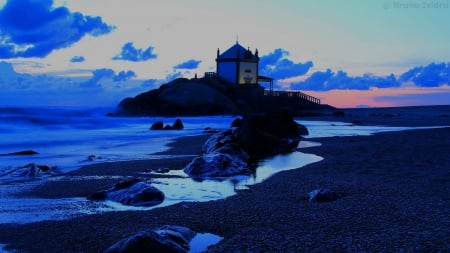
x=322 y=195
x=223 y=158
x=165 y=239
x=31 y=170
x=216 y=165
x=93 y=158
x=302 y=129
x=210 y=130
x=35 y=170
x=127 y=183
x=24 y=152
x=158 y=125
x=218 y=140
x=131 y=192
x=183 y=97
x=269 y=133
x=44 y=168
x=228 y=153
x=237 y=122
x=178 y=124
x=168 y=127
x=146 y=241
x=178 y=234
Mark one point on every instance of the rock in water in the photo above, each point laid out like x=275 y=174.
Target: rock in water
x=158 y=125
x=216 y=165
x=178 y=124
x=24 y=152
x=131 y=192
x=223 y=158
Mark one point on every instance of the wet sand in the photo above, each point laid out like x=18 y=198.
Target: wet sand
x=394 y=197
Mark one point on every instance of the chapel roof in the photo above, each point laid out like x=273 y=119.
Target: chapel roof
x=236 y=50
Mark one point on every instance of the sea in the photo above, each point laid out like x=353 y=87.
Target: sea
x=69 y=137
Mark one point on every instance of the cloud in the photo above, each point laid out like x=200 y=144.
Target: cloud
x=130 y=53
x=30 y=28
x=432 y=75
x=189 y=64
x=77 y=59
x=124 y=76
x=329 y=80
x=278 y=66
x=107 y=74
x=174 y=75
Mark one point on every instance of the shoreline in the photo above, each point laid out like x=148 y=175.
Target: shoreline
x=394 y=197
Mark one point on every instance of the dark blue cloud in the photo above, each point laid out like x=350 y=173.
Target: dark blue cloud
x=329 y=80
x=189 y=64
x=109 y=74
x=278 y=66
x=77 y=59
x=151 y=83
x=172 y=76
x=124 y=75
x=32 y=28
x=130 y=53
x=432 y=75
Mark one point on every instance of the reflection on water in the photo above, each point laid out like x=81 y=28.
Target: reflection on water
x=176 y=190
x=202 y=241
x=186 y=189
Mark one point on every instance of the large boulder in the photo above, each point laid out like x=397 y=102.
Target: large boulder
x=223 y=158
x=158 y=125
x=165 y=239
x=31 y=170
x=269 y=133
x=229 y=153
x=216 y=166
x=131 y=192
x=178 y=125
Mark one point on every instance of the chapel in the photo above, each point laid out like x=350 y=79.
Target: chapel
x=238 y=65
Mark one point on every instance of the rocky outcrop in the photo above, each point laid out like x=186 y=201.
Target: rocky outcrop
x=223 y=158
x=183 y=97
x=165 y=239
x=159 y=125
x=269 y=133
x=132 y=192
x=210 y=96
x=31 y=170
x=229 y=153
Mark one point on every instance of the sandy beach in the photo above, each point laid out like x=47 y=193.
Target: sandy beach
x=394 y=197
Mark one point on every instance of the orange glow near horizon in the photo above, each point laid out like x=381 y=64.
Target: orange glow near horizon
x=386 y=97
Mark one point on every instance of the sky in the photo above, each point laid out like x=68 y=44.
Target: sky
x=350 y=53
